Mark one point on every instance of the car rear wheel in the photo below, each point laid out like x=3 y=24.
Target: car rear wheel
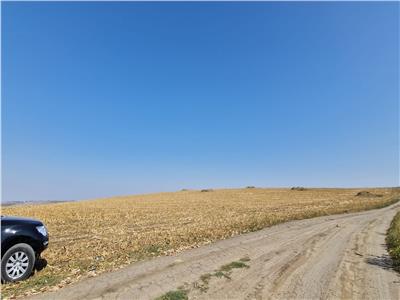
x=17 y=263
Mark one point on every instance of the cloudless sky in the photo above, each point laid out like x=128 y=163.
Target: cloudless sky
x=102 y=99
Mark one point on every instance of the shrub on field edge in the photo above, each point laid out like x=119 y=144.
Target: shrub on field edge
x=393 y=240
x=298 y=188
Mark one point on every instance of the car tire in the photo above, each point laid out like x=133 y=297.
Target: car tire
x=17 y=263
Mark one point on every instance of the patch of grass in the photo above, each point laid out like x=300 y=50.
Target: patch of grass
x=179 y=294
x=205 y=277
x=44 y=280
x=393 y=241
x=31 y=285
x=233 y=265
x=219 y=274
x=223 y=271
x=153 y=249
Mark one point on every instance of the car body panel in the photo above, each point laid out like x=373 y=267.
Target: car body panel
x=22 y=230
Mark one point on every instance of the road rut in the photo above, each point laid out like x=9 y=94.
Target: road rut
x=331 y=257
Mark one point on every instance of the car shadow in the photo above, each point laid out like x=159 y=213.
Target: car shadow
x=40 y=264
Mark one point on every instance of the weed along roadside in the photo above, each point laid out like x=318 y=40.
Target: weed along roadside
x=182 y=293
x=393 y=241
x=179 y=294
x=223 y=272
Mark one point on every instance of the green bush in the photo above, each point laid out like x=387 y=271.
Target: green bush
x=393 y=240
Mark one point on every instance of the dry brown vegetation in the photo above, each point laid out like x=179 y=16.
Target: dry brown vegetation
x=90 y=237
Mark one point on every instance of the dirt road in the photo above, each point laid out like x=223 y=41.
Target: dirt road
x=333 y=257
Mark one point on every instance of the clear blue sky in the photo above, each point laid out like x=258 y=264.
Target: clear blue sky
x=105 y=99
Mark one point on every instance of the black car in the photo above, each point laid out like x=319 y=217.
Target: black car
x=22 y=242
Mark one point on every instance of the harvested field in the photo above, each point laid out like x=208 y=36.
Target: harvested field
x=91 y=237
